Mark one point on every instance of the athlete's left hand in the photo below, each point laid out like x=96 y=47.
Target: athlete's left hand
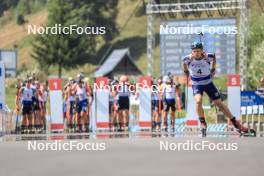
x=204 y=55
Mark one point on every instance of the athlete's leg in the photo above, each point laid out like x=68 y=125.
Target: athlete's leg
x=154 y=119
x=87 y=120
x=116 y=119
x=78 y=116
x=81 y=121
x=199 y=109
x=24 y=125
x=125 y=118
x=72 y=116
x=83 y=115
x=159 y=114
x=120 y=118
x=165 y=115
x=158 y=120
x=30 y=121
x=172 y=114
x=127 y=113
x=214 y=94
x=222 y=107
x=43 y=118
x=154 y=114
x=199 y=104
x=31 y=118
x=111 y=117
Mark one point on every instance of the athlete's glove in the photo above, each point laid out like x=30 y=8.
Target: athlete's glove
x=186 y=72
x=17 y=109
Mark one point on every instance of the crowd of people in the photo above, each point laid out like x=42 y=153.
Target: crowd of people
x=78 y=95
x=31 y=100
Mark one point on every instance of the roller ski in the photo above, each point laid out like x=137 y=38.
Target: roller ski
x=243 y=131
x=250 y=133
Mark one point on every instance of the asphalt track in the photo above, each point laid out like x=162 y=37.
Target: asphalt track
x=132 y=154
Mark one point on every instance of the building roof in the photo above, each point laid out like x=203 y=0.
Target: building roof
x=112 y=61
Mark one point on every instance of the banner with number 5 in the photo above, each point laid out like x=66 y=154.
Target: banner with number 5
x=234 y=97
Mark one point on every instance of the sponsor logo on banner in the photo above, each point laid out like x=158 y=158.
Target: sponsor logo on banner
x=250 y=98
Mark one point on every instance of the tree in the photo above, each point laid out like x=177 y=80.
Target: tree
x=70 y=50
x=7 y=4
x=256 y=70
x=255 y=46
x=23 y=7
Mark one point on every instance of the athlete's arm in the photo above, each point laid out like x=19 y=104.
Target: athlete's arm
x=185 y=63
x=185 y=69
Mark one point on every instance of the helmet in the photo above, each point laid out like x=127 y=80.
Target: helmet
x=166 y=79
x=123 y=78
x=197 y=45
x=30 y=78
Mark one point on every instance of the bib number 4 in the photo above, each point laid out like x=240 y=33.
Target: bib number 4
x=199 y=71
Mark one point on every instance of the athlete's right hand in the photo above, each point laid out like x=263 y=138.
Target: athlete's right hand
x=17 y=109
x=213 y=72
x=186 y=72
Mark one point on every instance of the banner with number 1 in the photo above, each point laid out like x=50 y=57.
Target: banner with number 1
x=56 y=108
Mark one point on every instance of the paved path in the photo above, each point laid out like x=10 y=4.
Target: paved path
x=135 y=156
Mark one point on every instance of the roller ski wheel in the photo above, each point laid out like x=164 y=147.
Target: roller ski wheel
x=203 y=130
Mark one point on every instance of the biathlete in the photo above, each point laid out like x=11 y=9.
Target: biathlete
x=200 y=66
x=25 y=95
x=169 y=102
x=123 y=102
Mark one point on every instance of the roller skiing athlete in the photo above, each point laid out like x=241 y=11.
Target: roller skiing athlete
x=200 y=66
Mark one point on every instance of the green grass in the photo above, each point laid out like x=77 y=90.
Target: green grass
x=10 y=97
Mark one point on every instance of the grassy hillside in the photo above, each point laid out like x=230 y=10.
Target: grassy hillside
x=132 y=23
x=133 y=35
